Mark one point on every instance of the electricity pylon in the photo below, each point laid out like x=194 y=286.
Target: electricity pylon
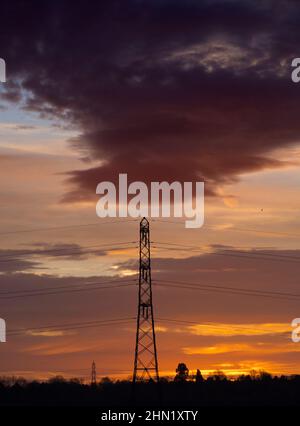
x=93 y=375
x=145 y=361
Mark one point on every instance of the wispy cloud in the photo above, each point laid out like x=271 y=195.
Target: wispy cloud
x=246 y=329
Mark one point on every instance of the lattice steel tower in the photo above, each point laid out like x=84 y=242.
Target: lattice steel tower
x=145 y=362
x=93 y=374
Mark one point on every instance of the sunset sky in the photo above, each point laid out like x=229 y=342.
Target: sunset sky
x=160 y=90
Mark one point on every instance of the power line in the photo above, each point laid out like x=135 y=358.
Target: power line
x=190 y=286
x=68 y=286
x=64 y=251
x=66 y=291
x=248 y=290
x=88 y=369
x=238 y=229
x=69 y=370
x=227 y=292
x=229 y=252
x=121 y=321
x=252 y=252
x=259 y=253
x=98 y=285
x=288 y=234
x=71 y=326
x=160 y=283
x=75 y=328
x=54 y=228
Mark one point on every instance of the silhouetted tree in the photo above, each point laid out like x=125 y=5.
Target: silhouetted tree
x=199 y=377
x=265 y=376
x=57 y=379
x=182 y=373
x=248 y=390
x=217 y=376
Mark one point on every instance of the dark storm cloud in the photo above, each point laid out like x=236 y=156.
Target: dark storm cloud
x=15 y=264
x=64 y=250
x=17 y=260
x=163 y=89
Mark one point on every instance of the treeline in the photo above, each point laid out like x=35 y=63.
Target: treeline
x=216 y=390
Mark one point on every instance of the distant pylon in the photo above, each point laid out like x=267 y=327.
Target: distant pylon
x=94 y=374
x=145 y=361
